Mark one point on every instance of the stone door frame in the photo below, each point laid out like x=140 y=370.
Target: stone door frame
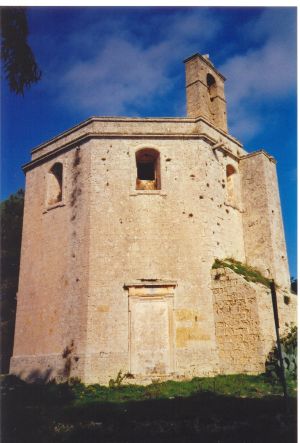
x=148 y=290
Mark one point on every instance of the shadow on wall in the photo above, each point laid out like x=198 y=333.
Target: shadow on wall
x=49 y=375
x=58 y=375
x=37 y=376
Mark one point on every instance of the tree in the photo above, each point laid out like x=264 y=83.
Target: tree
x=19 y=63
x=11 y=213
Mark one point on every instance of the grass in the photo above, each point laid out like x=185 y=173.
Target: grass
x=230 y=408
x=230 y=385
x=248 y=272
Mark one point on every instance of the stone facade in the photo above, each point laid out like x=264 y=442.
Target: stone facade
x=245 y=322
x=123 y=220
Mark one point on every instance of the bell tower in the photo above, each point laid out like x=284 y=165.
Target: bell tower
x=205 y=91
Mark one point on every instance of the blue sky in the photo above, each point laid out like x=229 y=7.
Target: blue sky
x=128 y=61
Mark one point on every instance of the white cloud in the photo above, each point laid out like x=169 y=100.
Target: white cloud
x=116 y=66
x=197 y=24
x=275 y=23
x=262 y=75
x=123 y=74
x=120 y=75
x=244 y=125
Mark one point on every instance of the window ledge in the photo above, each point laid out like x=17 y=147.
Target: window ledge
x=147 y=192
x=55 y=205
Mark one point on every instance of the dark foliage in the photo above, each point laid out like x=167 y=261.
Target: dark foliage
x=288 y=343
x=11 y=212
x=50 y=413
x=19 y=63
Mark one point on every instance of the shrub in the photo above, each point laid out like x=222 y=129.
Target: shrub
x=288 y=345
x=248 y=272
x=118 y=380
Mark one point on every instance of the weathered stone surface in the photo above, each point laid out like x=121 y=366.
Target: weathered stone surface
x=118 y=278
x=245 y=329
x=205 y=91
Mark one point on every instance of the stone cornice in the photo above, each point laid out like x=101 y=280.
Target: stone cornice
x=202 y=83
x=225 y=134
x=226 y=149
x=150 y=283
x=258 y=152
x=84 y=138
x=116 y=120
x=168 y=120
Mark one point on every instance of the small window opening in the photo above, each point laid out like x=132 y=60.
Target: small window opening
x=55 y=177
x=231 y=185
x=148 y=169
x=230 y=170
x=211 y=83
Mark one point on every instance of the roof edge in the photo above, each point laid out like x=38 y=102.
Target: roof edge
x=85 y=137
x=207 y=62
x=131 y=119
x=258 y=152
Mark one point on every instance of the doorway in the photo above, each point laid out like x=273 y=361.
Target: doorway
x=151 y=331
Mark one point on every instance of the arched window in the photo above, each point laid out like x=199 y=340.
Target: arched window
x=211 y=84
x=54 y=179
x=231 y=184
x=148 y=169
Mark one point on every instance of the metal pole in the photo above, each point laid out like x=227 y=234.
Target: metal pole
x=276 y=320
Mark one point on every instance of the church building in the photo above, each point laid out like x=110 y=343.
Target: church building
x=124 y=219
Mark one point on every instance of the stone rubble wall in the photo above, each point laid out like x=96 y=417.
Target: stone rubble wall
x=245 y=331
x=287 y=311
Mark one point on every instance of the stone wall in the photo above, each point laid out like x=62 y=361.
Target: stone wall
x=78 y=255
x=263 y=229
x=205 y=91
x=170 y=234
x=287 y=311
x=53 y=285
x=245 y=330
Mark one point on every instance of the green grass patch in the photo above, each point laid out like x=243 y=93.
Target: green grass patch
x=224 y=408
x=248 y=272
x=231 y=385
